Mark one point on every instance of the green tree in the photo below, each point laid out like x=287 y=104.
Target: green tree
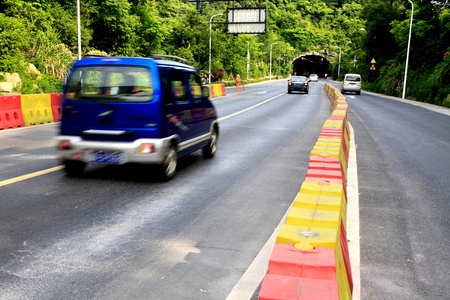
x=114 y=27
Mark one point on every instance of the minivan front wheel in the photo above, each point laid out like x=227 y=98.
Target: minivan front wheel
x=169 y=165
x=210 y=150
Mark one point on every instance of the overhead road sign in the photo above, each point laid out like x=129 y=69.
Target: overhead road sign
x=246 y=20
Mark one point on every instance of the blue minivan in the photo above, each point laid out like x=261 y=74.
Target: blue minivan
x=119 y=110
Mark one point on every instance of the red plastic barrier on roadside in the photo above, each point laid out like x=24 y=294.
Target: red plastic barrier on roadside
x=56 y=100
x=11 y=112
x=300 y=274
x=211 y=91
x=346 y=255
x=279 y=287
x=224 y=93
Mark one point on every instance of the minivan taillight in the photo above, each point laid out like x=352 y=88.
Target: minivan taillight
x=146 y=148
x=64 y=145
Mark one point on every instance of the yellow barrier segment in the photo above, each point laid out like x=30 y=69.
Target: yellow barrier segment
x=218 y=90
x=306 y=238
x=36 y=109
x=323 y=203
x=314 y=218
x=322 y=189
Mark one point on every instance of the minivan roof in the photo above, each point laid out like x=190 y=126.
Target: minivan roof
x=133 y=61
x=352 y=75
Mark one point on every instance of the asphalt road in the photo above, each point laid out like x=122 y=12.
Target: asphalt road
x=403 y=158
x=117 y=233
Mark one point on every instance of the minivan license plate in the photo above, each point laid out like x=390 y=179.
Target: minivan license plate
x=107 y=157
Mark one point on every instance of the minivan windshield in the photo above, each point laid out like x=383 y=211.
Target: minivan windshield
x=110 y=84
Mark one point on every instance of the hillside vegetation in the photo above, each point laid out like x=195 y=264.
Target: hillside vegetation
x=44 y=33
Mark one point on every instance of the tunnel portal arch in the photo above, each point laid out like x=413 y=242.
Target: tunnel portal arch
x=311 y=64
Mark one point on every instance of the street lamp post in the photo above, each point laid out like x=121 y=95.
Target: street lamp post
x=79 y=29
x=339 y=67
x=407 y=53
x=248 y=58
x=354 y=57
x=271 y=59
x=210 y=20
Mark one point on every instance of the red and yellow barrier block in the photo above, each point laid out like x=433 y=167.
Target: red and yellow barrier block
x=26 y=110
x=217 y=90
x=317 y=220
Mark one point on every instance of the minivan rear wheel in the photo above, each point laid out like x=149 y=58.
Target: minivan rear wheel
x=74 y=168
x=169 y=165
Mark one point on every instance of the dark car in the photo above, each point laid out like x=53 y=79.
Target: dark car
x=119 y=110
x=298 y=83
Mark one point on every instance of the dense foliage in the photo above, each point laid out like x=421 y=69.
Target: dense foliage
x=44 y=33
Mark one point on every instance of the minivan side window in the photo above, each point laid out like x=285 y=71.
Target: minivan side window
x=196 y=87
x=165 y=86
x=179 y=86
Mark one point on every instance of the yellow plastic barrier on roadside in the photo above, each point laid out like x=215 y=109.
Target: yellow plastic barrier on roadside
x=313 y=217
x=36 y=109
x=218 y=90
x=323 y=203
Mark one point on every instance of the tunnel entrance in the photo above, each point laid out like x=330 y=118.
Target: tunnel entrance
x=311 y=64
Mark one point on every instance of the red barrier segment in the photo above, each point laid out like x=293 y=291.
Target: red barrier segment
x=326 y=174
x=317 y=263
x=224 y=93
x=279 y=287
x=211 y=89
x=56 y=102
x=11 y=112
x=346 y=255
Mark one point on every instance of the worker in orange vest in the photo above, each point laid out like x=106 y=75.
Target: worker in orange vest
x=238 y=82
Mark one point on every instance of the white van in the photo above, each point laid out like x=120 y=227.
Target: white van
x=351 y=83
